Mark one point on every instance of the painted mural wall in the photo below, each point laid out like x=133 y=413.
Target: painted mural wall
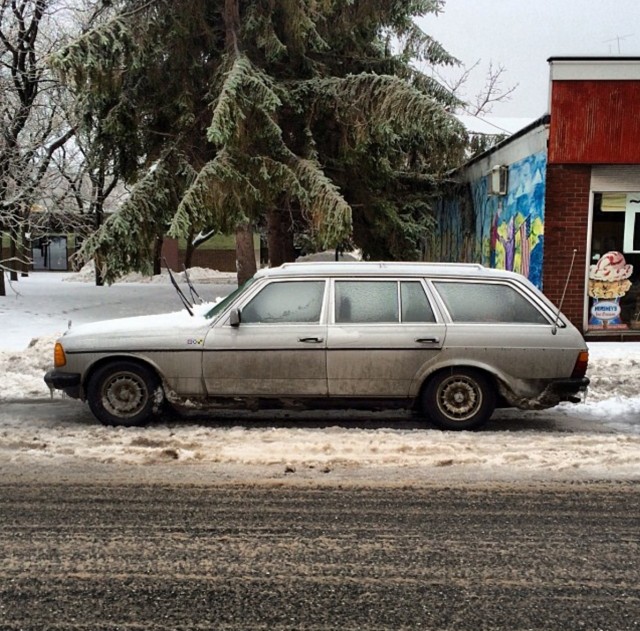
x=516 y=233
x=503 y=232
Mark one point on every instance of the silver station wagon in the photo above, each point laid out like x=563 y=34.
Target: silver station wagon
x=451 y=341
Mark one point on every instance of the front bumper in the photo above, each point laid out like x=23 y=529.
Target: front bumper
x=68 y=382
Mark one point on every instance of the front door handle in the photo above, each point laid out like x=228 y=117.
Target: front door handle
x=311 y=340
x=428 y=340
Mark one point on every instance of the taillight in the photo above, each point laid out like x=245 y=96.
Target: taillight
x=59 y=358
x=580 y=368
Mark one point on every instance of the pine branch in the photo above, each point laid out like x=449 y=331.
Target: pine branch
x=95 y=52
x=244 y=85
x=329 y=212
x=126 y=240
x=229 y=191
x=384 y=105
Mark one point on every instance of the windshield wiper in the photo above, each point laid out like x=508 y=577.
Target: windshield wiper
x=195 y=296
x=185 y=302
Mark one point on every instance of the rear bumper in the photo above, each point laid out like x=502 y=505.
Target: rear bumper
x=570 y=385
x=68 y=382
x=568 y=389
x=547 y=394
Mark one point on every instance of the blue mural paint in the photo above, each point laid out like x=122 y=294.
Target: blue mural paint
x=513 y=230
x=509 y=230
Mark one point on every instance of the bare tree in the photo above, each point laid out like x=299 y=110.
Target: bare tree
x=481 y=104
x=32 y=123
x=493 y=90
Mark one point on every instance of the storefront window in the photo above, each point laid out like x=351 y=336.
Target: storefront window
x=614 y=271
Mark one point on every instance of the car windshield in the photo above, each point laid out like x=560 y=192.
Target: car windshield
x=222 y=305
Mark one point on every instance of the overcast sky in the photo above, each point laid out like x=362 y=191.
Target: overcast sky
x=522 y=34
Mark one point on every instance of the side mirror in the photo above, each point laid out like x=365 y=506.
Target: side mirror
x=234 y=318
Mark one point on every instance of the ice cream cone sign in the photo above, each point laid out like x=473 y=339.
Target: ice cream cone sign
x=608 y=282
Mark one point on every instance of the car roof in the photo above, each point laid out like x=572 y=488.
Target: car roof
x=385 y=268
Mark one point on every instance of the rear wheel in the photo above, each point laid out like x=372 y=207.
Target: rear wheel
x=123 y=393
x=459 y=399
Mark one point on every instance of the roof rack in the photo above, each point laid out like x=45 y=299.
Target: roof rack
x=385 y=264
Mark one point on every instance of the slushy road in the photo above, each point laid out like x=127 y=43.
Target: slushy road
x=277 y=555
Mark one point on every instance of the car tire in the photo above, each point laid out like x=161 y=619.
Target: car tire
x=123 y=393
x=459 y=399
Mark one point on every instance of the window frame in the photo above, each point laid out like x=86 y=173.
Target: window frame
x=398 y=280
x=263 y=286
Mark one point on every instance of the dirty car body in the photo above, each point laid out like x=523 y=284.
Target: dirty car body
x=452 y=341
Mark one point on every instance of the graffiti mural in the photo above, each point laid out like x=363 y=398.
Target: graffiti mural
x=455 y=238
x=504 y=232
x=512 y=231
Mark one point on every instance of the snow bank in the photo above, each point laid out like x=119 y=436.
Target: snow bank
x=21 y=372
x=196 y=274
x=323 y=450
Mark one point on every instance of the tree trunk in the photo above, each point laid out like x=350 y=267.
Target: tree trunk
x=157 y=256
x=3 y=288
x=98 y=271
x=287 y=240
x=25 y=254
x=98 y=209
x=13 y=254
x=275 y=243
x=245 y=254
x=189 y=249
x=280 y=236
x=231 y=24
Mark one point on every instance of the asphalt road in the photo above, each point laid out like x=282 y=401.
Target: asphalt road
x=514 y=556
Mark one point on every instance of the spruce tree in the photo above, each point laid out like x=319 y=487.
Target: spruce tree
x=229 y=115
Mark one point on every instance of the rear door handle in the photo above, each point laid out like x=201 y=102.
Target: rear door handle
x=311 y=340
x=428 y=340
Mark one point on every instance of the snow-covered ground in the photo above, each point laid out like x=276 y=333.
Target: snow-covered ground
x=599 y=438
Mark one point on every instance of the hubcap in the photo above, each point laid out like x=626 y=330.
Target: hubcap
x=459 y=398
x=124 y=395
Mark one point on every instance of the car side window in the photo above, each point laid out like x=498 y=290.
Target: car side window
x=366 y=301
x=415 y=305
x=286 y=302
x=487 y=302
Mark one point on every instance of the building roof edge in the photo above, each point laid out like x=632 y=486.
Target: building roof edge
x=543 y=120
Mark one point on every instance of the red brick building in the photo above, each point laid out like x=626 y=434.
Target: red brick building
x=593 y=191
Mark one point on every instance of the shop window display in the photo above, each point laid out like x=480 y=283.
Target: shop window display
x=614 y=271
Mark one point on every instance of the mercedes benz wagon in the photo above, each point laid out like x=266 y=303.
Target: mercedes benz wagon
x=451 y=341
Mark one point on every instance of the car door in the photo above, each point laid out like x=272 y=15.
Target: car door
x=381 y=333
x=277 y=350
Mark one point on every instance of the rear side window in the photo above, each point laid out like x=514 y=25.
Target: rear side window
x=487 y=302
x=415 y=306
x=381 y=302
x=366 y=301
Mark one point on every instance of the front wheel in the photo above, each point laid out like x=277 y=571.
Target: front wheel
x=459 y=399
x=123 y=393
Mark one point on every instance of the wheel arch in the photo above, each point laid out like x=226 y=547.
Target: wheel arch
x=495 y=378
x=110 y=359
x=124 y=391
